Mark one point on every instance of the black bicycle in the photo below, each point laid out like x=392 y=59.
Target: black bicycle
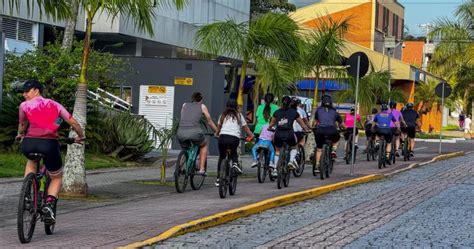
x=326 y=162
x=263 y=167
x=283 y=170
x=371 y=150
x=228 y=175
x=348 y=152
x=187 y=168
x=406 y=149
x=300 y=159
x=33 y=198
x=382 y=152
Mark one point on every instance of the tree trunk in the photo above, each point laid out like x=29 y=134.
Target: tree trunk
x=70 y=26
x=315 y=95
x=74 y=180
x=256 y=98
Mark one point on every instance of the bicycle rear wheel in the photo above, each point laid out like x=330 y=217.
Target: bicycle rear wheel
x=368 y=150
x=27 y=209
x=223 y=178
x=261 y=167
x=349 y=150
x=180 y=173
x=197 y=180
x=286 y=175
x=49 y=228
x=301 y=161
x=322 y=162
x=314 y=163
x=280 y=176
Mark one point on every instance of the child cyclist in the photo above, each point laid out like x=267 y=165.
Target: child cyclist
x=265 y=141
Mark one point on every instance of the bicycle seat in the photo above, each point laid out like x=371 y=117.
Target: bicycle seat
x=35 y=156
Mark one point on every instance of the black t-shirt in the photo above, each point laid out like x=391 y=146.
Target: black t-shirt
x=285 y=118
x=327 y=117
x=410 y=116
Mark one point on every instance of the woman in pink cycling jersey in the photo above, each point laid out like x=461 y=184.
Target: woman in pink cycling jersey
x=349 y=123
x=39 y=121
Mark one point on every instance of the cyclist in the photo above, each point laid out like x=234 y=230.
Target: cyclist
x=283 y=119
x=382 y=121
x=228 y=129
x=412 y=120
x=39 y=121
x=395 y=131
x=264 y=113
x=189 y=128
x=299 y=132
x=265 y=141
x=350 y=126
x=326 y=119
x=368 y=126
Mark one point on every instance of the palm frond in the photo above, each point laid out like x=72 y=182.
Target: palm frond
x=54 y=9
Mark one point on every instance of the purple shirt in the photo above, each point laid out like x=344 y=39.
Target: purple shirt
x=265 y=134
x=396 y=114
x=43 y=116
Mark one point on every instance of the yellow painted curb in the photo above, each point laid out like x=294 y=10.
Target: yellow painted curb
x=244 y=211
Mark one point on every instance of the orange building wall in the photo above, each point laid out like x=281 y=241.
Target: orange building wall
x=360 y=21
x=432 y=118
x=408 y=87
x=412 y=53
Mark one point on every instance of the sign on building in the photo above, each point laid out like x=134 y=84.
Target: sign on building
x=183 y=81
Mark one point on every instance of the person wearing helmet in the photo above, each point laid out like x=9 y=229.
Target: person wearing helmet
x=299 y=132
x=412 y=120
x=349 y=123
x=395 y=131
x=368 y=126
x=264 y=113
x=326 y=119
x=382 y=121
x=283 y=119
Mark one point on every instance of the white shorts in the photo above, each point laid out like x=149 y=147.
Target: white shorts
x=467 y=131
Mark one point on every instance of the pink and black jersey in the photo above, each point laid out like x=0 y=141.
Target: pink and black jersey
x=44 y=117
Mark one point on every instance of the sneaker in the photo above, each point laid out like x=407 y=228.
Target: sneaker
x=236 y=167
x=217 y=182
x=316 y=170
x=333 y=154
x=48 y=214
x=364 y=151
x=254 y=164
x=397 y=154
x=411 y=154
x=201 y=173
x=293 y=164
x=356 y=147
x=274 y=173
x=272 y=165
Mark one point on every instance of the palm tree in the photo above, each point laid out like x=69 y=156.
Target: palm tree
x=271 y=37
x=425 y=96
x=142 y=12
x=323 y=51
x=453 y=58
x=374 y=90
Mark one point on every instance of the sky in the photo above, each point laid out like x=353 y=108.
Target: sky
x=416 y=11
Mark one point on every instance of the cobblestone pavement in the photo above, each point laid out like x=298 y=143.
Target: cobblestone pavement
x=430 y=206
x=128 y=205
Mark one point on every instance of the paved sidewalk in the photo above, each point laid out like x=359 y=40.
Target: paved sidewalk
x=128 y=206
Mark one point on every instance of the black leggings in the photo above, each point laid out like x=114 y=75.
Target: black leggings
x=227 y=142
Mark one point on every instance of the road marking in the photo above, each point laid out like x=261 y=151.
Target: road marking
x=421 y=148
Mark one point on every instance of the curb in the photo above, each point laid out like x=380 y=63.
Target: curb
x=434 y=159
x=244 y=211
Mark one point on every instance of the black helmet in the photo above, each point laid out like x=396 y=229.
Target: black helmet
x=269 y=97
x=392 y=104
x=410 y=105
x=33 y=83
x=286 y=101
x=384 y=107
x=326 y=100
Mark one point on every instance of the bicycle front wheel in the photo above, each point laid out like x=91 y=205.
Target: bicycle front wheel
x=27 y=209
x=261 y=167
x=195 y=179
x=180 y=173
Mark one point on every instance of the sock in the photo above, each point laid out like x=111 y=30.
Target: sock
x=292 y=155
x=276 y=159
x=334 y=148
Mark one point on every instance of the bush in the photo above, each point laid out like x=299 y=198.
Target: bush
x=9 y=122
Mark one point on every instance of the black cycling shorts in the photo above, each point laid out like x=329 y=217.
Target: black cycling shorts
x=322 y=133
x=284 y=135
x=348 y=132
x=368 y=130
x=48 y=147
x=300 y=135
x=395 y=131
x=386 y=133
x=410 y=131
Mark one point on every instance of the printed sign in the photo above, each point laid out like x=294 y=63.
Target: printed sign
x=157 y=89
x=155 y=100
x=183 y=81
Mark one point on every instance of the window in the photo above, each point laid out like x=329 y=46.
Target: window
x=377 y=7
x=386 y=14
x=17 y=29
x=395 y=25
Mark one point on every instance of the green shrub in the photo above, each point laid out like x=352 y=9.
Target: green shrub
x=9 y=122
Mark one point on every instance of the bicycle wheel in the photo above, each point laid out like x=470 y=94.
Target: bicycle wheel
x=392 y=152
x=381 y=154
x=368 y=150
x=322 y=162
x=233 y=175
x=314 y=163
x=301 y=161
x=49 y=228
x=286 y=174
x=27 y=209
x=223 y=178
x=349 y=150
x=197 y=180
x=180 y=173
x=280 y=176
x=261 y=167
x=328 y=162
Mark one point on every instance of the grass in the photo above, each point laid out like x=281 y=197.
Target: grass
x=13 y=164
x=451 y=127
x=431 y=136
